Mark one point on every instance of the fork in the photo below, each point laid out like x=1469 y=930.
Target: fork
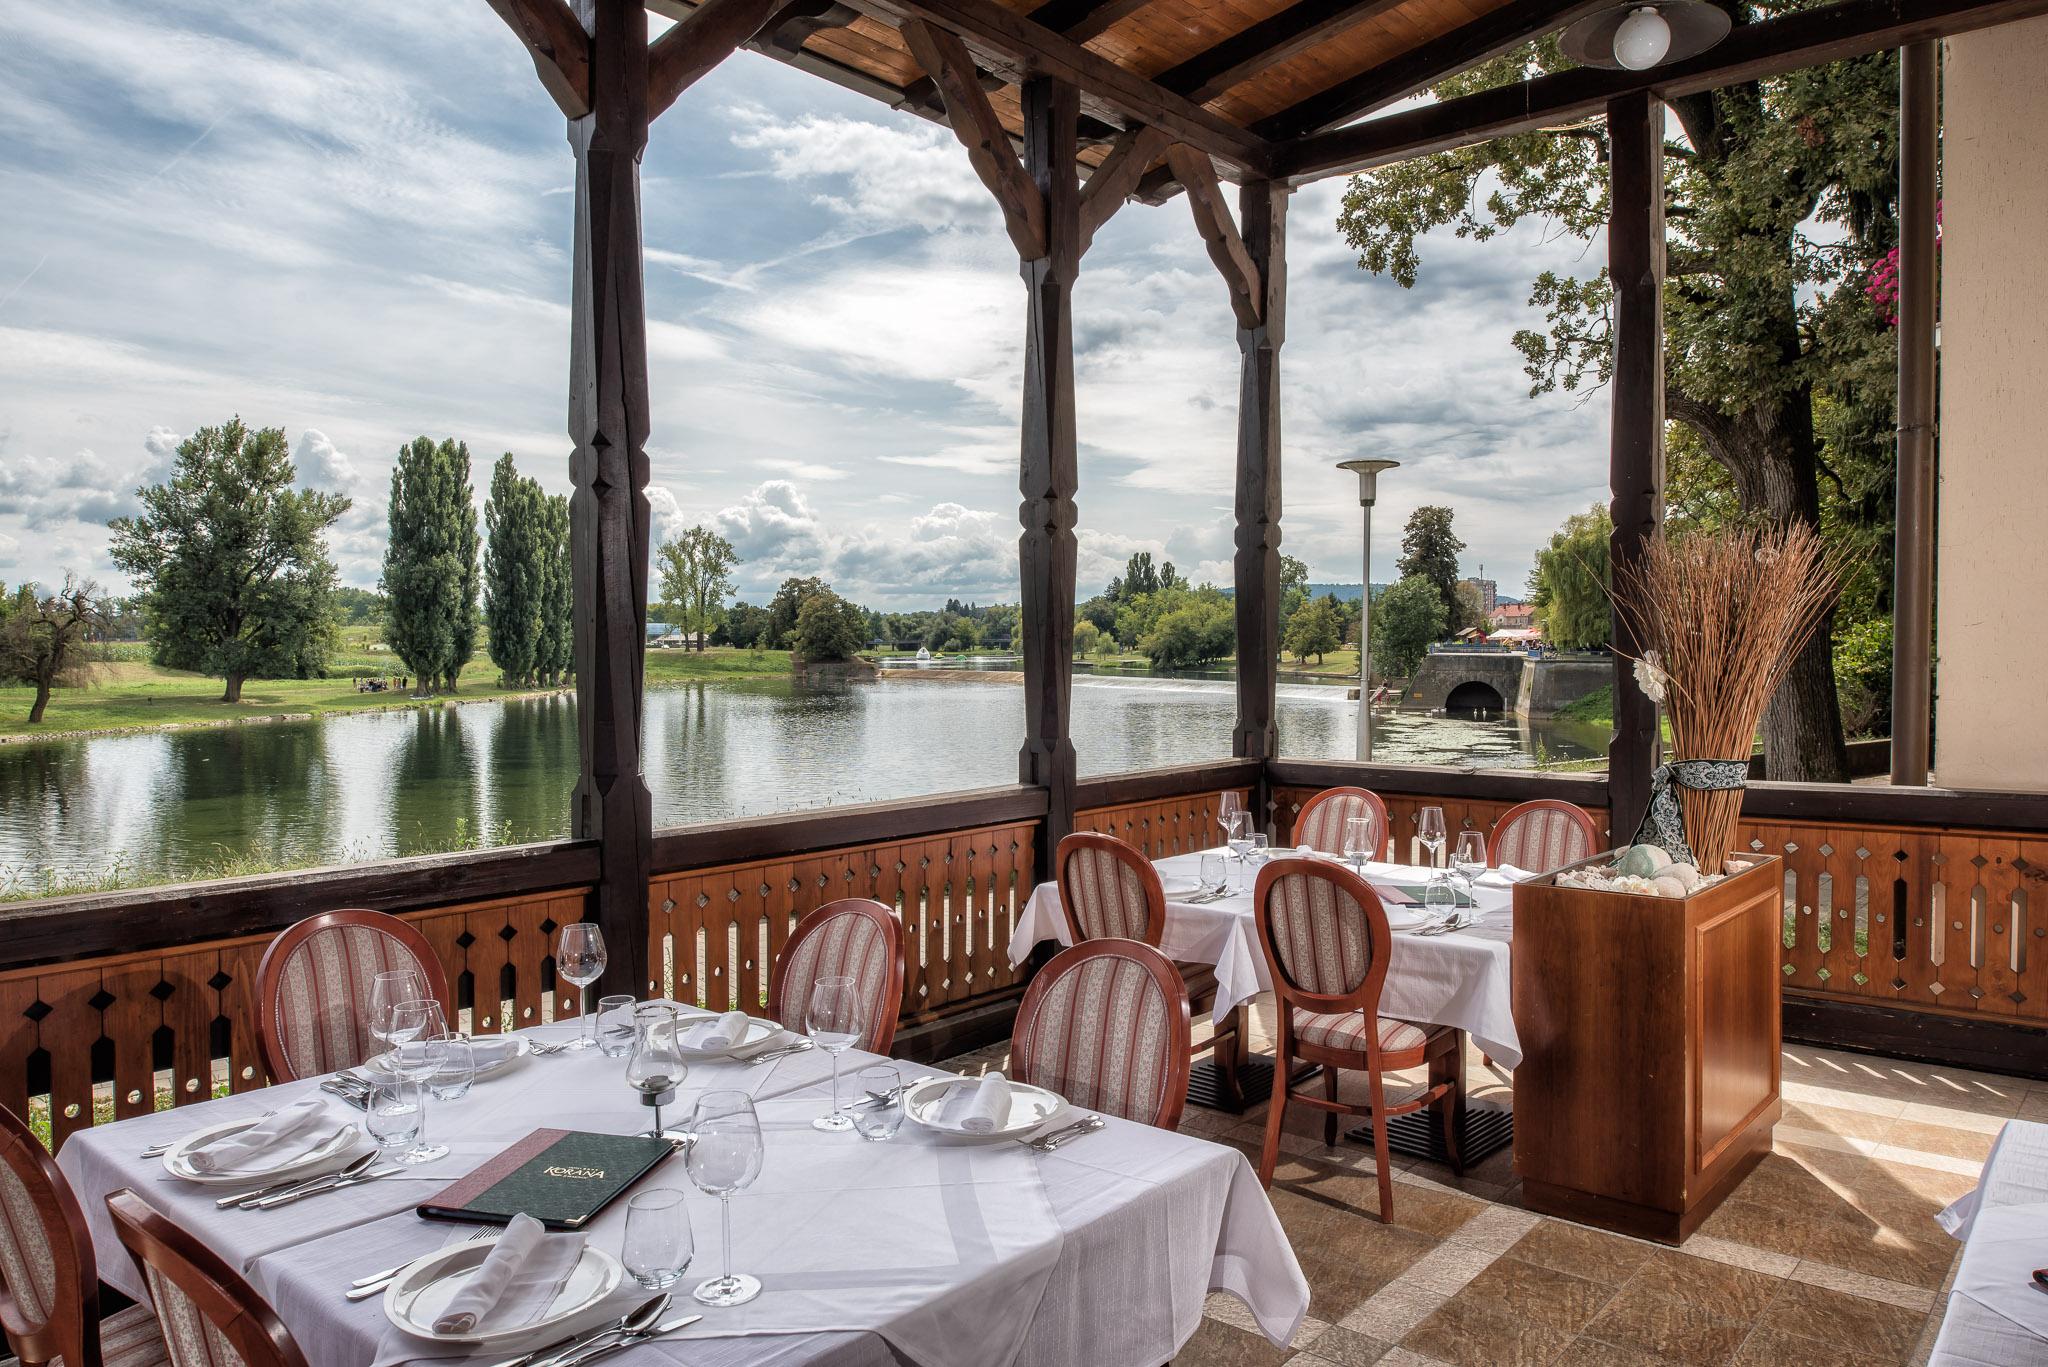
x=1046 y=1143
x=800 y=1047
x=362 y=1288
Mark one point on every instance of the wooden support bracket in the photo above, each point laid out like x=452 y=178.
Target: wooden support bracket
x=1219 y=232
x=1117 y=177
x=558 y=45
x=944 y=58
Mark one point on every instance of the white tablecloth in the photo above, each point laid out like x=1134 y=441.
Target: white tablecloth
x=1461 y=979
x=904 y=1252
x=1996 y=1315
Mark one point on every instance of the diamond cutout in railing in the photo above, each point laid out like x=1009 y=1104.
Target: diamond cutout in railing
x=899 y=866
x=101 y=1000
x=764 y=889
x=1788 y=970
x=465 y=940
x=668 y=905
x=1898 y=984
x=1756 y=846
x=2016 y=998
x=1862 y=853
x=1979 y=860
x=1826 y=850
x=1937 y=858
x=2020 y=864
x=732 y=894
x=924 y=861
x=1935 y=988
x=162 y=991
x=548 y=925
x=37 y=1009
x=1822 y=974
x=1860 y=979
x=1977 y=994
x=219 y=981
x=703 y=900
x=1791 y=847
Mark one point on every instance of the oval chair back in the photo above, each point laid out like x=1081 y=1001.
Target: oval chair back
x=1106 y=1025
x=1543 y=835
x=1109 y=890
x=49 y=1286
x=313 y=988
x=854 y=937
x=1320 y=823
x=1325 y=935
x=209 y=1315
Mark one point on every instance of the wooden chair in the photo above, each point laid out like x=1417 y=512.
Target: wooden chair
x=1320 y=823
x=210 y=1316
x=1109 y=890
x=313 y=988
x=1327 y=944
x=1543 y=835
x=855 y=937
x=1107 y=1025
x=49 y=1283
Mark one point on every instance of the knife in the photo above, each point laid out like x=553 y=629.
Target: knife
x=630 y=1322
x=250 y=1198
x=335 y=1182
x=592 y=1354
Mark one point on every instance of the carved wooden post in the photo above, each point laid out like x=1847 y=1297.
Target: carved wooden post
x=1635 y=263
x=1262 y=209
x=608 y=516
x=1047 y=473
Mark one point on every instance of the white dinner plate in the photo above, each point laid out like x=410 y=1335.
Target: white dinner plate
x=1405 y=918
x=759 y=1032
x=1180 y=889
x=522 y=1047
x=342 y=1143
x=418 y=1295
x=1030 y=1107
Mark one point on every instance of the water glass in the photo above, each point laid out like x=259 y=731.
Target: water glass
x=394 y=1115
x=879 y=1112
x=580 y=959
x=1240 y=830
x=452 y=1061
x=1215 y=874
x=1439 y=898
x=725 y=1156
x=615 y=1025
x=1429 y=825
x=1360 y=838
x=413 y=1024
x=658 y=1244
x=388 y=992
x=835 y=1022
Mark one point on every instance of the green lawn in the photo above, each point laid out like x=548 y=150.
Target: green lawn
x=130 y=692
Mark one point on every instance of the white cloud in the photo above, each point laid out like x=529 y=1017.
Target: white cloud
x=320 y=463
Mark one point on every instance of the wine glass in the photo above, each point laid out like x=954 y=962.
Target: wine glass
x=579 y=958
x=388 y=991
x=1429 y=825
x=1469 y=858
x=656 y=1065
x=1241 y=836
x=724 y=1155
x=658 y=1244
x=835 y=1022
x=1228 y=808
x=1359 y=841
x=413 y=1058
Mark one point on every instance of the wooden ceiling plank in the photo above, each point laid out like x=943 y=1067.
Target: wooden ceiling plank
x=1081 y=20
x=1219 y=233
x=1268 y=43
x=945 y=59
x=693 y=48
x=560 y=49
x=1117 y=177
x=1770 y=47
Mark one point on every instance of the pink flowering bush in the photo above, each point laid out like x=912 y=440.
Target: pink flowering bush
x=1883 y=285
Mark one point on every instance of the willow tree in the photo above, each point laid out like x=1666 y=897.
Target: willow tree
x=1780 y=195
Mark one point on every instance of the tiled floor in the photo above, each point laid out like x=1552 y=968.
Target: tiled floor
x=1827 y=1253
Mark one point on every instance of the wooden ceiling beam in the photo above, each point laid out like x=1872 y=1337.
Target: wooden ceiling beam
x=694 y=47
x=1117 y=178
x=1081 y=20
x=1268 y=43
x=1219 y=233
x=944 y=57
x=560 y=49
x=796 y=21
x=1417 y=70
x=1770 y=47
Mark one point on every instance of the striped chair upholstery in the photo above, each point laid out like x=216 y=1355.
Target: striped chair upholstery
x=855 y=938
x=210 y=1316
x=1320 y=823
x=49 y=1283
x=1109 y=890
x=1543 y=835
x=1106 y=1024
x=1325 y=939
x=314 y=988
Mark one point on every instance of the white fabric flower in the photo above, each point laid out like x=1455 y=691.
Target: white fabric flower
x=1650 y=676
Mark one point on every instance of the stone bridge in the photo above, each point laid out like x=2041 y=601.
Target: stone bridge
x=1496 y=683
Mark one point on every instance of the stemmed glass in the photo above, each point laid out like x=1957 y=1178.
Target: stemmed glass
x=1469 y=858
x=724 y=1156
x=389 y=991
x=656 y=1065
x=579 y=957
x=1228 y=808
x=1359 y=841
x=835 y=1022
x=1240 y=830
x=1429 y=825
x=415 y=1058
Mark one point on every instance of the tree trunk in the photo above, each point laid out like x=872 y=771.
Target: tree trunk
x=35 y=713
x=233 y=691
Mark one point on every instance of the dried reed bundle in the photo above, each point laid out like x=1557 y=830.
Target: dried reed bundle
x=1719 y=617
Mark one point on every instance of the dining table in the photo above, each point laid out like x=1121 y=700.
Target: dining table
x=920 y=1249
x=1997 y=1311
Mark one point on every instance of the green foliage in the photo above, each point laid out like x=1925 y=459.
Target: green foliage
x=554 y=658
x=1316 y=629
x=743 y=625
x=783 y=608
x=1138 y=579
x=358 y=607
x=827 y=628
x=430 y=562
x=1100 y=610
x=1863 y=676
x=952 y=631
x=1406 y=619
x=696 y=576
x=1087 y=639
x=518 y=562
x=231 y=561
x=1569 y=582
x=1200 y=629
x=1429 y=550
x=46 y=639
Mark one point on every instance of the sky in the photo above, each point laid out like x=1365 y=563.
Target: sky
x=353 y=223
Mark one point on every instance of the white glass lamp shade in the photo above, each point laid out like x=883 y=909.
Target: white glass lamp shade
x=1642 y=40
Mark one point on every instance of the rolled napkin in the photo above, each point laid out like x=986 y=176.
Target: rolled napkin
x=1505 y=876
x=979 y=1108
x=720 y=1032
x=515 y=1285
x=488 y=1051
x=281 y=1130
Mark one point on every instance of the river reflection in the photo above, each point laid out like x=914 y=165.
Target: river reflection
x=373 y=784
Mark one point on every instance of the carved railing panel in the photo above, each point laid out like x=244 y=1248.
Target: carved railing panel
x=1163 y=826
x=1460 y=814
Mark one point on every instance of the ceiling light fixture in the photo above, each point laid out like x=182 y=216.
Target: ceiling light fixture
x=1636 y=37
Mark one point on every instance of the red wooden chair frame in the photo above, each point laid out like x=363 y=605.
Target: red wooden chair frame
x=1372 y=800
x=270 y=974
x=216 y=1290
x=72 y=1330
x=1174 y=1096
x=813 y=921
x=1578 y=815
x=1442 y=1048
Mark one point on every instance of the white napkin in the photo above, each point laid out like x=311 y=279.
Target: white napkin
x=720 y=1032
x=977 y=1108
x=290 y=1129
x=489 y=1051
x=518 y=1281
x=1503 y=876
x=2006 y=1245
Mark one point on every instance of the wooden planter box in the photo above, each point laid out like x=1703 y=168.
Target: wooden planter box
x=1649 y=1080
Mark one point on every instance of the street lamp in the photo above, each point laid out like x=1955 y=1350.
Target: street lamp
x=1368 y=477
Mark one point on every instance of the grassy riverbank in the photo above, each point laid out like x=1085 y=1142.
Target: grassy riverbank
x=129 y=693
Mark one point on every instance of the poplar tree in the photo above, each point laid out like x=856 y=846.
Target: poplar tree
x=430 y=562
x=555 y=659
x=515 y=568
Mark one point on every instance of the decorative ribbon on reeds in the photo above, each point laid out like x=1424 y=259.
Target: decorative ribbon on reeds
x=1664 y=821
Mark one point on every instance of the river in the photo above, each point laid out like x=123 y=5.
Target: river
x=157 y=806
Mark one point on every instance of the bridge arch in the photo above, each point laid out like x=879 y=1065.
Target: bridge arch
x=1475 y=696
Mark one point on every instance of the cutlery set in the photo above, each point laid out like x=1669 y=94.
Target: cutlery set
x=638 y=1326
x=800 y=1047
x=362 y=1288
x=1213 y=895
x=1046 y=1143
x=299 y=1188
x=352 y=1087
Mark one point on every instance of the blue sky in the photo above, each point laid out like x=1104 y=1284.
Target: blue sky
x=352 y=222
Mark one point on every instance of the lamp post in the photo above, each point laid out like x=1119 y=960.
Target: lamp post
x=1368 y=477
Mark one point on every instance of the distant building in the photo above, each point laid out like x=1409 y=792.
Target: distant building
x=1486 y=589
x=1513 y=616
